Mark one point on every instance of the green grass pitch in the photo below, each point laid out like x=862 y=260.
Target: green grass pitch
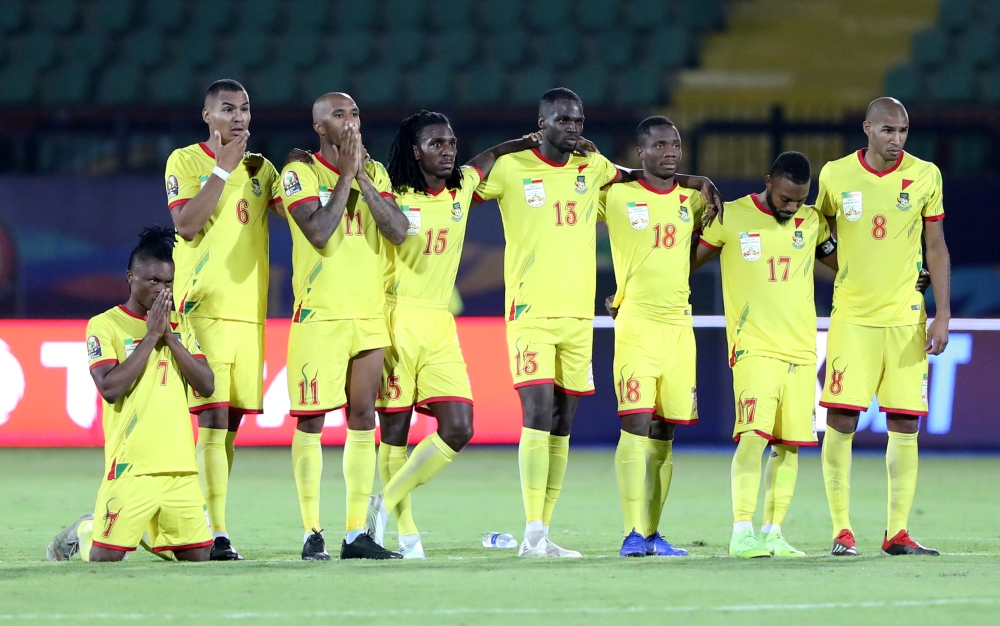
x=957 y=511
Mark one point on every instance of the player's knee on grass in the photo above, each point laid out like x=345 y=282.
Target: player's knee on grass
x=563 y=409
x=198 y=555
x=395 y=427
x=661 y=431
x=217 y=418
x=536 y=406
x=106 y=555
x=899 y=423
x=842 y=420
x=637 y=423
x=454 y=423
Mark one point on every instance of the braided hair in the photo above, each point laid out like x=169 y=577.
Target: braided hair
x=403 y=168
x=156 y=243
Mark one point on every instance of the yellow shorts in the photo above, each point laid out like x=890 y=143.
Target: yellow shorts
x=318 y=356
x=552 y=350
x=170 y=506
x=235 y=352
x=424 y=364
x=865 y=361
x=776 y=400
x=655 y=369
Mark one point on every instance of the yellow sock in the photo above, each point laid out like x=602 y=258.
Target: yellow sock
x=779 y=482
x=390 y=459
x=630 y=469
x=85 y=535
x=230 y=448
x=213 y=472
x=746 y=476
x=533 y=460
x=659 y=471
x=429 y=457
x=307 y=465
x=359 y=473
x=558 y=458
x=837 y=476
x=901 y=462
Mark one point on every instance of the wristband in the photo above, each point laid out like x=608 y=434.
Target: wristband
x=221 y=173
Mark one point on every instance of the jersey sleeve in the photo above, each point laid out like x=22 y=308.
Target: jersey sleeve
x=182 y=183
x=609 y=171
x=298 y=185
x=825 y=243
x=271 y=180
x=697 y=209
x=825 y=201
x=380 y=178
x=493 y=186
x=100 y=343
x=471 y=176
x=934 y=203
x=602 y=204
x=714 y=236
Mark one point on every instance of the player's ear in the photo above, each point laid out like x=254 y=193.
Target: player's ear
x=866 y=126
x=767 y=182
x=541 y=122
x=416 y=153
x=319 y=129
x=204 y=115
x=639 y=152
x=128 y=277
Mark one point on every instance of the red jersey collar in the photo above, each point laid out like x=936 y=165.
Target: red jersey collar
x=431 y=192
x=548 y=161
x=131 y=313
x=763 y=208
x=662 y=192
x=208 y=151
x=864 y=163
x=330 y=166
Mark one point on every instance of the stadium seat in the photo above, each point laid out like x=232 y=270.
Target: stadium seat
x=644 y=16
x=456 y=47
x=274 y=86
x=597 y=15
x=507 y=47
x=403 y=47
x=87 y=47
x=377 y=86
x=165 y=16
x=669 y=47
x=955 y=84
x=404 y=14
x=590 y=82
x=57 y=15
x=991 y=13
x=326 y=77
x=113 y=15
x=306 y=16
x=614 y=47
x=548 y=14
x=119 y=84
x=970 y=154
x=640 y=85
x=261 y=14
x=528 y=85
x=483 y=85
x=143 y=47
x=20 y=83
x=903 y=82
x=929 y=47
x=172 y=85
x=979 y=46
x=230 y=68
x=12 y=16
x=955 y=15
x=197 y=47
x=501 y=14
x=448 y=14
x=430 y=85
x=922 y=146
x=350 y=46
x=560 y=48
x=67 y=84
x=702 y=15
x=214 y=16
x=252 y=44
x=991 y=87
x=356 y=14
x=37 y=49
x=298 y=49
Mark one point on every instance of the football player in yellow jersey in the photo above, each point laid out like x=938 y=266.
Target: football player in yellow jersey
x=219 y=195
x=143 y=358
x=887 y=207
x=652 y=223
x=343 y=216
x=768 y=245
x=548 y=200
x=424 y=368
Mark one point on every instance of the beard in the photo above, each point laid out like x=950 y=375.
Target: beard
x=778 y=217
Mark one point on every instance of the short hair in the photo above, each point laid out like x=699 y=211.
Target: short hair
x=554 y=95
x=792 y=165
x=642 y=130
x=402 y=168
x=223 y=84
x=156 y=243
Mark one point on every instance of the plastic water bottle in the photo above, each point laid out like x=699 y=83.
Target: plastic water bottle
x=499 y=540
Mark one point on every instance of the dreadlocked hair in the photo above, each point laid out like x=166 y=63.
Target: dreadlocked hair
x=404 y=170
x=156 y=243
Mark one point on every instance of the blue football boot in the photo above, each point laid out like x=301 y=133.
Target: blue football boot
x=634 y=545
x=658 y=546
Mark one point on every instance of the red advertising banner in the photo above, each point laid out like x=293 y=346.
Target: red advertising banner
x=47 y=397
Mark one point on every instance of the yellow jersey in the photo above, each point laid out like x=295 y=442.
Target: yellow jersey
x=426 y=264
x=343 y=280
x=223 y=272
x=148 y=430
x=549 y=213
x=880 y=226
x=767 y=279
x=651 y=232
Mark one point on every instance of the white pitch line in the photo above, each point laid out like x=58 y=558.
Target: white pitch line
x=739 y=608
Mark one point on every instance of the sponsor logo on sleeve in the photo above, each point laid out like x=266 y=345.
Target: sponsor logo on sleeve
x=94 y=347
x=173 y=187
x=291 y=184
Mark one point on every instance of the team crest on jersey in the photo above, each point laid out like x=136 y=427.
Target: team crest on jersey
x=684 y=214
x=412 y=214
x=173 y=187
x=291 y=184
x=750 y=245
x=456 y=212
x=94 y=347
x=851 y=202
x=638 y=215
x=324 y=195
x=255 y=187
x=534 y=192
x=903 y=201
x=131 y=345
x=202 y=180
x=581 y=184
x=797 y=241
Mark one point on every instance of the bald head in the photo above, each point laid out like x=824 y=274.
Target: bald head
x=885 y=108
x=887 y=126
x=327 y=104
x=332 y=112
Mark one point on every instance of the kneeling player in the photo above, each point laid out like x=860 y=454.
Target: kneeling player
x=768 y=244
x=143 y=358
